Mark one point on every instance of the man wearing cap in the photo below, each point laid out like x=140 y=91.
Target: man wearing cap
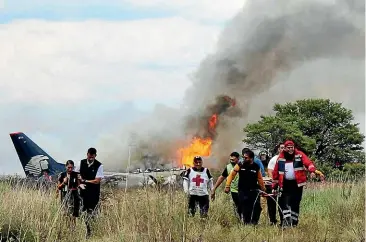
x=197 y=181
x=290 y=176
x=234 y=159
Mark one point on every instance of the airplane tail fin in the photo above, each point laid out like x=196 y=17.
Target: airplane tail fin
x=35 y=161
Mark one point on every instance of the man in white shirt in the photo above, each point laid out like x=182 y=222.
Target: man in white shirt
x=271 y=200
x=91 y=174
x=272 y=162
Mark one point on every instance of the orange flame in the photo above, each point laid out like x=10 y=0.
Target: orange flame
x=202 y=146
x=212 y=122
x=199 y=146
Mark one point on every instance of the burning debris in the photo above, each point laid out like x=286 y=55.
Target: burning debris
x=205 y=134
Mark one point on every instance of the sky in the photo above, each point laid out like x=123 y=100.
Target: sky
x=71 y=72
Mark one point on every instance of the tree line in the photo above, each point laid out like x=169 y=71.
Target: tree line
x=323 y=129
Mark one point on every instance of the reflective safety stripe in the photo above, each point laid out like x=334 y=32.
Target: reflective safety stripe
x=294 y=218
x=286 y=215
x=281 y=172
x=294 y=213
x=299 y=168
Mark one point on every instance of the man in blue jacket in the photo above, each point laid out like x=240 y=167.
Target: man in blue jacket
x=256 y=160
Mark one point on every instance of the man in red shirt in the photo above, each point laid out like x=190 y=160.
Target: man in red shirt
x=290 y=176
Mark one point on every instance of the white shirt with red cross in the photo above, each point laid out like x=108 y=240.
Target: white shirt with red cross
x=198 y=182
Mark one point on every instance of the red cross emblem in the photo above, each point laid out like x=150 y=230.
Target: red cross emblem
x=198 y=180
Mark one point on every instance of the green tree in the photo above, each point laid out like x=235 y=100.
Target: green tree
x=270 y=131
x=322 y=128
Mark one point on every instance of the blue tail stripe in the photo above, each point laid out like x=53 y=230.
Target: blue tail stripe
x=35 y=161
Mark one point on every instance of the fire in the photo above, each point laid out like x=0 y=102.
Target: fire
x=199 y=146
x=212 y=122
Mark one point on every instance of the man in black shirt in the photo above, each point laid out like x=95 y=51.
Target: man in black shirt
x=68 y=184
x=91 y=173
x=250 y=180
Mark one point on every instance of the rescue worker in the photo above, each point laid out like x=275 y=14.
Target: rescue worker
x=290 y=176
x=234 y=159
x=68 y=183
x=249 y=183
x=197 y=181
x=91 y=173
x=256 y=160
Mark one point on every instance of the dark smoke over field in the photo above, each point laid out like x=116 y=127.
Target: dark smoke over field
x=204 y=124
x=265 y=45
x=269 y=38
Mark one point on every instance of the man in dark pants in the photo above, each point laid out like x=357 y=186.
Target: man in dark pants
x=271 y=200
x=234 y=159
x=197 y=182
x=91 y=173
x=290 y=176
x=250 y=181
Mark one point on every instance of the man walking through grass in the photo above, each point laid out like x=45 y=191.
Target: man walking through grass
x=256 y=161
x=290 y=176
x=234 y=159
x=250 y=184
x=197 y=181
x=271 y=199
x=91 y=173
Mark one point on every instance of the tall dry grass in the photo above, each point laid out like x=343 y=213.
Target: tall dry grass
x=329 y=212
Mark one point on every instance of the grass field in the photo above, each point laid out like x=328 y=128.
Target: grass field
x=329 y=212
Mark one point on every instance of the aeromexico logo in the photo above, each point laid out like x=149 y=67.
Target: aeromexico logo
x=37 y=164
